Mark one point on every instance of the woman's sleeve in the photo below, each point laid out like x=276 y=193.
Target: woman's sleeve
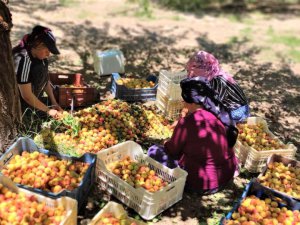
x=175 y=146
x=22 y=67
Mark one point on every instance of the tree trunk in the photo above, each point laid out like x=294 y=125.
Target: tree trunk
x=10 y=112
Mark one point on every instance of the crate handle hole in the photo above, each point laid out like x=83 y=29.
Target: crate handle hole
x=170 y=188
x=63 y=76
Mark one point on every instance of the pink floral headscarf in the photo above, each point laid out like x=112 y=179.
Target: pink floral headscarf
x=204 y=64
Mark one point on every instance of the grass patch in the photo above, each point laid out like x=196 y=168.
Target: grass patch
x=86 y=15
x=68 y=2
x=234 y=18
x=292 y=42
x=177 y=18
x=145 y=9
x=295 y=54
x=288 y=40
x=247 y=32
x=237 y=18
x=233 y=40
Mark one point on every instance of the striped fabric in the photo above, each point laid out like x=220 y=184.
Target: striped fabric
x=23 y=65
x=229 y=94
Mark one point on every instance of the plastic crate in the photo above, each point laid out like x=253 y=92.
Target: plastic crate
x=81 y=96
x=131 y=95
x=108 y=62
x=117 y=210
x=254 y=160
x=147 y=204
x=80 y=193
x=255 y=188
x=69 y=204
x=285 y=161
x=169 y=84
x=170 y=108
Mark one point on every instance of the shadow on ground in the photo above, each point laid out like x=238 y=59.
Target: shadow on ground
x=240 y=9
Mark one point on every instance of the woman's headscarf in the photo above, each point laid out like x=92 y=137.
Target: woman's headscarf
x=204 y=64
x=199 y=91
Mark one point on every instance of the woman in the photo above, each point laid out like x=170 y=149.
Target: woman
x=31 y=67
x=226 y=90
x=200 y=143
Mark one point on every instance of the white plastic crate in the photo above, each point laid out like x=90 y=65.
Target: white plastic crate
x=169 y=84
x=170 y=108
x=108 y=62
x=117 y=210
x=254 y=160
x=147 y=204
x=69 y=204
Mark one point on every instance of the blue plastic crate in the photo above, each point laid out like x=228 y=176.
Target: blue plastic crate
x=80 y=193
x=132 y=95
x=255 y=188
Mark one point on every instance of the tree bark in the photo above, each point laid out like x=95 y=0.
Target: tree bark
x=10 y=111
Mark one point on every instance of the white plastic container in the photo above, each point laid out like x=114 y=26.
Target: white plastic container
x=145 y=203
x=108 y=62
x=254 y=160
x=69 y=204
x=170 y=108
x=169 y=84
x=117 y=210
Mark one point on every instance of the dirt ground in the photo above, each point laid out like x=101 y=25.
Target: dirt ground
x=243 y=43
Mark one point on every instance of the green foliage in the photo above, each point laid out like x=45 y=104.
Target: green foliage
x=215 y=219
x=31 y=123
x=68 y=121
x=144 y=9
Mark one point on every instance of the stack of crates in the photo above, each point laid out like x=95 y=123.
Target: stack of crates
x=168 y=97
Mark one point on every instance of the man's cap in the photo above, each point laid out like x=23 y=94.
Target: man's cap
x=47 y=37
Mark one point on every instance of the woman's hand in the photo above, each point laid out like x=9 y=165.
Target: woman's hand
x=183 y=113
x=58 y=108
x=173 y=125
x=164 y=141
x=54 y=113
